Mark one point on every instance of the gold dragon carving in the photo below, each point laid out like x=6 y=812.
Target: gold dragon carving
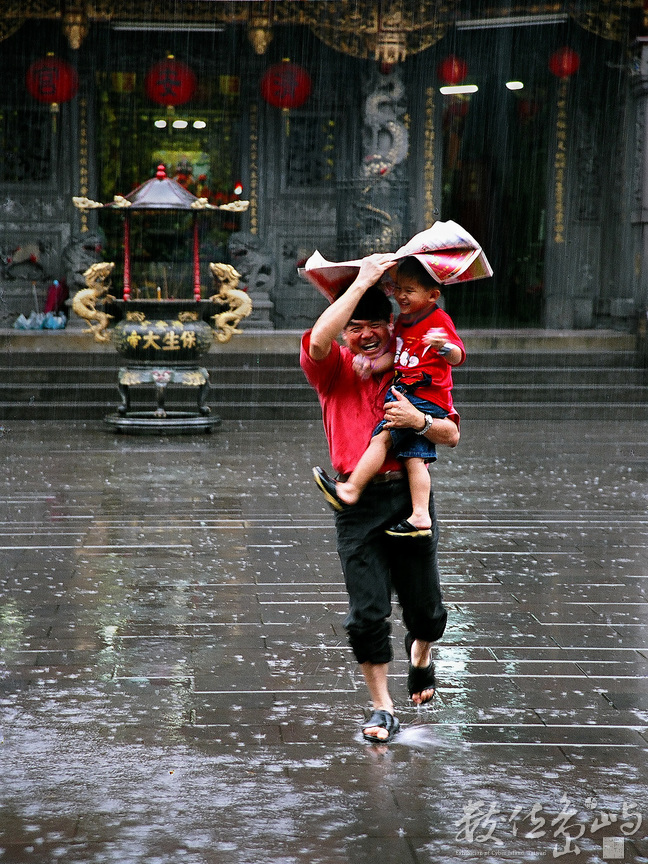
x=226 y=278
x=97 y=278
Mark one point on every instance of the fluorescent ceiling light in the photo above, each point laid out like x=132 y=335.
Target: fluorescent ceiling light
x=180 y=124
x=458 y=88
x=515 y=85
x=509 y=21
x=160 y=26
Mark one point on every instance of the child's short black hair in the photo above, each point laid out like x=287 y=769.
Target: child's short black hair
x=413 y=268
x=374 y=305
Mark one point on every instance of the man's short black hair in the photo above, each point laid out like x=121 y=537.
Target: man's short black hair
x=374 y=305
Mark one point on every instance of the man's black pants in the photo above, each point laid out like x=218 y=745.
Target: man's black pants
x=375 y=565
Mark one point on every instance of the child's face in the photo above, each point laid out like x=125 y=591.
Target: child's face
x=412 y=297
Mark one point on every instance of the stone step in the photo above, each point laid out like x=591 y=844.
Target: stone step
x=95 y=412
x=542 y=411
x=290 y=359
x=549 y=360
x=73 y=338
x=532 y=392
x=468 y=376
x=281 y=375
x=65 y=376
x=277 y=376
x=87 y=392
x=280 y=391
x=112 y=361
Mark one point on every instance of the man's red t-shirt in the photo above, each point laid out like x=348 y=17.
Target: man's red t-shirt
x=351 y=406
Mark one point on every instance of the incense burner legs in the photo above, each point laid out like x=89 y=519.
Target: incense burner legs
x=195 y=378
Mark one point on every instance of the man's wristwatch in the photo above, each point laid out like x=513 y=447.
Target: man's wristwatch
x=429 y=420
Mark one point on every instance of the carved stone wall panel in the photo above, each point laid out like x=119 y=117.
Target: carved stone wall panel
x=257 y=269
x=296 y=234
x=26 y=144
x=309 y=214
x=41 y=244
x=34 y=208
x=639 y=143
x=308 y=153
x=297 y=304
x=588 y=167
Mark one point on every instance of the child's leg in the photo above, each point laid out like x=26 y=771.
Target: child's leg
x=367 y=468
x=419 y=483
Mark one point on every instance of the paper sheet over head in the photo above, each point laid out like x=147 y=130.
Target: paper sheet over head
x=446 y=250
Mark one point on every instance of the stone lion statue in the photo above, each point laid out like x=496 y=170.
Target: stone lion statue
x=80 y=253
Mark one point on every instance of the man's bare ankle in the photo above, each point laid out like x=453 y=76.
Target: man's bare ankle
x=420 y=520
x=346 y=493
x=421 y=653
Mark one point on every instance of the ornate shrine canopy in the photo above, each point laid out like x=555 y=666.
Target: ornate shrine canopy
x=386 y=30
x=160 y=193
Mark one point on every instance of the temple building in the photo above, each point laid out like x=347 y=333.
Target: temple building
x=348 y=125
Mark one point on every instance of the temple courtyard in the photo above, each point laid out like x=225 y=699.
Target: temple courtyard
x=176 y=686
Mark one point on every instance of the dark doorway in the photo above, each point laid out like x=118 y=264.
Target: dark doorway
x=495 y=154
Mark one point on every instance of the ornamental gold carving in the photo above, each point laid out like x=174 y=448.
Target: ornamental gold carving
x=384 y=30
x=97 y=278
x=226 y=279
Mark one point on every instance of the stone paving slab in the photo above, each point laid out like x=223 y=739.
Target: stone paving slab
x=175 y=684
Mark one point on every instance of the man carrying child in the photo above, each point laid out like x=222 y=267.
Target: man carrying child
x=426 y=345
x=373 y=562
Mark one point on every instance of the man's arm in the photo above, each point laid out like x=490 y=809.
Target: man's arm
x=401 y=414
x=335 y=318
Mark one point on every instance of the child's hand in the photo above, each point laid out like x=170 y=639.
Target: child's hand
x=362 y=366
x=436 y=337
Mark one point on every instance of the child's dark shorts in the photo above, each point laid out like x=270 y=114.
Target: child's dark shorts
x=406 y=444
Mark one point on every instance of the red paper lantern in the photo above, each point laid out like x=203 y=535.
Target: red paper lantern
x=286 y=85
x=52 y=80
x=452 y=70
x=170 y=82
x=564 y=62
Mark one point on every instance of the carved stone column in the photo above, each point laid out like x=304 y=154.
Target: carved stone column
x=372 y=206
x=640 y=216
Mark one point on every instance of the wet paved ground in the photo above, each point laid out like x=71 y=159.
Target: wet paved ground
x=176 y=687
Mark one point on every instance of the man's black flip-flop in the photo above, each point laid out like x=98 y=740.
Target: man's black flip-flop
x=327 y=486
x=419 y=678
x=381 y=720
x=406 y=529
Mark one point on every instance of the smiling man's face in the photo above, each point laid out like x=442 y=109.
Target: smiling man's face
x=369 y=338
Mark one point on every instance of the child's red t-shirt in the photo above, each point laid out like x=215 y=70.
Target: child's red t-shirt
x=415 y=362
